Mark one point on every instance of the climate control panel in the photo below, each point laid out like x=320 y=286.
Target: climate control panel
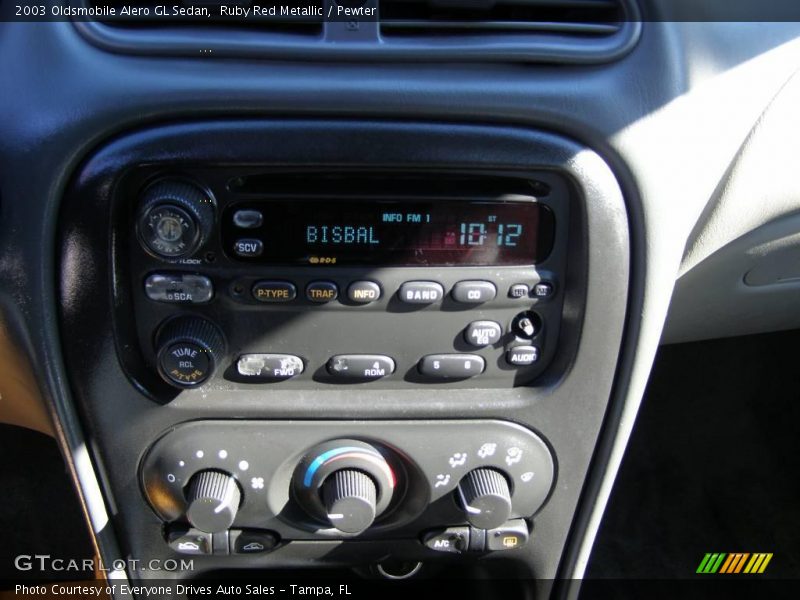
x=324 y=480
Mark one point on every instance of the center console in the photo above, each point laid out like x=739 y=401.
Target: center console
x=329 y=342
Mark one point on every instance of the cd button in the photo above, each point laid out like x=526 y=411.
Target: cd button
x=363 y=292
x=360 y=366
x=248 y=219
x=274 y=291
x=483 y=333
x=522 y=356
x=248 y=248
x=321 y=291
x=451 y=366
x=421 y=292
x=474 y=292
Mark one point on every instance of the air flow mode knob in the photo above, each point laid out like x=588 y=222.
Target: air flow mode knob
x=486 y=498
x=214 y=499
x=188 y=351
x=175 y=218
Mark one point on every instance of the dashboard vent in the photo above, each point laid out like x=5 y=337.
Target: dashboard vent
x=552 y=31
x=511 y=17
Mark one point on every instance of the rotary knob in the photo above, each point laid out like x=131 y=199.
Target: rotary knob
x=214 y=499
x=188 y=351
x=349 y=497
x=486 y=498
x=175 y=218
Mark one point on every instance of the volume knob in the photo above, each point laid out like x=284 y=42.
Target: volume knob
x=214 y=499
x=175 y=218
x=350 y=498
x=189 y=349
x=486 y=498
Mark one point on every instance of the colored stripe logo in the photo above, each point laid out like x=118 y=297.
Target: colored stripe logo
x=734 y=563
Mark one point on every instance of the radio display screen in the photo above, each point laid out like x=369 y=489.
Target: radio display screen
x=387 y=232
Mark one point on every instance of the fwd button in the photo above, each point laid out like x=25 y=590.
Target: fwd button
x=363 y=367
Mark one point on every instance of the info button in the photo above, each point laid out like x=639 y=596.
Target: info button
x=274 y=291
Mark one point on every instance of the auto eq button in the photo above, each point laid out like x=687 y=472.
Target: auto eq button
x=364 y=367
x=483 y=333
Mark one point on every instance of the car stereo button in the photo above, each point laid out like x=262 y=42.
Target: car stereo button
x=322 y=291
x=543 y=289
x=274 y=291
x=421 y=292
x=474 y=292
x=519 y=290
x=483 y=333
x=269 y=366
x=522 y=356
x=363 y=292
x=248 y=248
x=248 y=219
x=360 y=366
x=451 y=366
x=178 y=288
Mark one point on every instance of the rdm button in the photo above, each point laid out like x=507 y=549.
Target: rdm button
x=360 y=366
x=274 y=291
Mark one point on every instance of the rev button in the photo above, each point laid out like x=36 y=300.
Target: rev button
x=362 y=367
x=274 y=291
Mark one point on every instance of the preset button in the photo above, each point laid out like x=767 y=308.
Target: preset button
x=451 y=366
x=269 y=366
x=360 y=366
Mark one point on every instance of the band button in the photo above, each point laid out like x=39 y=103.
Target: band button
x=274 y=291
x=421 y=292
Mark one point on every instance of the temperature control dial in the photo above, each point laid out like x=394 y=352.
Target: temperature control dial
x=189 y=349
x=175 y=219
x=214 y=499
x=346 y=483
x=486 y=498
x=349 y=497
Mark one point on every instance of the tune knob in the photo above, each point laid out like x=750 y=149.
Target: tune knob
x=349 y=498
x=175 y=218
x=214 y=498
x=486 y=498
x=188 y=350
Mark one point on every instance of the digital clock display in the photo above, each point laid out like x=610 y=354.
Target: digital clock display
x=393 y=233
